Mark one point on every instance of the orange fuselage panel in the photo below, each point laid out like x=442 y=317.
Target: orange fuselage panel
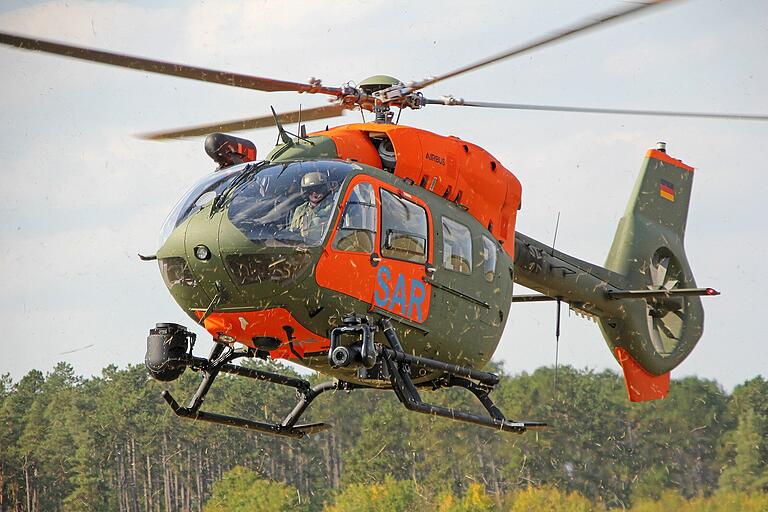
x=276 y=323
x=449 y=167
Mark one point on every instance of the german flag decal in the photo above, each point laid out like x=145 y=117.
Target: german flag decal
x=667 y=190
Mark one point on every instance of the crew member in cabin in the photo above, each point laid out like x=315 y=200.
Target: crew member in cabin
x=309 y=219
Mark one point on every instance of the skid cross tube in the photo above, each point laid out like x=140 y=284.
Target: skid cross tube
x=481 y=392
x=219 y=361
x=401 y=382
x=398 y=354
x=397 y=363
x=242 y=371
x=309 y=395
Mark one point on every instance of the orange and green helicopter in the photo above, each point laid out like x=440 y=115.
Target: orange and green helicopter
x=385 y=255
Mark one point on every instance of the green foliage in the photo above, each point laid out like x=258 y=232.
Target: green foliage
x=720 y=502
x=746 y=447
x=390 y=495
x=549 y=498
x=667 y=500
x=673 y=443
x=475 y=500
x=241 y=490
x=749 y=471
x=590 y=419
x=111 y=443
x=381 y=449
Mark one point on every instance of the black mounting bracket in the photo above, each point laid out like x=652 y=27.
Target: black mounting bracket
x=363 y=353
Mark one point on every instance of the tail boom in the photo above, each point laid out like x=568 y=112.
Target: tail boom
x=645 y=299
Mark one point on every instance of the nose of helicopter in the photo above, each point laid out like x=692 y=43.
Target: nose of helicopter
x=202 y=252
x=209 y=261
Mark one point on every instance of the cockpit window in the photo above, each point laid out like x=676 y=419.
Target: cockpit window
x=202 y=193
x=489 y=258
x=357 y=229
x=457 y=246
x=288 y=203
x=403 y=229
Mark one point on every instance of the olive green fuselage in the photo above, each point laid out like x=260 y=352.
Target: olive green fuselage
x=466 y=314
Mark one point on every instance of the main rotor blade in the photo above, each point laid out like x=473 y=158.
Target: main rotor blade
x=247 y=124
x=450 y=101
x=537 y=43
x=163 y=68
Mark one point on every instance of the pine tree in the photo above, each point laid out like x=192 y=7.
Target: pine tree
x=749 y=471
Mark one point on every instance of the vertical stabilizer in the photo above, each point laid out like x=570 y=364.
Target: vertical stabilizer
x=651 y=336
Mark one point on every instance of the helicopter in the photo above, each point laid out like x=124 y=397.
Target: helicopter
x=431 y=266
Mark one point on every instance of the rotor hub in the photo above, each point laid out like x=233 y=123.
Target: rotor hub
x=376 y=83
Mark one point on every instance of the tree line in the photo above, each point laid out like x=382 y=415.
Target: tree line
x=69 y=443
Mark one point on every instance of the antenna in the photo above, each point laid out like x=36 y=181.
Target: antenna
x=557 y=346
x=554 y=238
x=557 y=318
x=298 y=128
x=281 y=131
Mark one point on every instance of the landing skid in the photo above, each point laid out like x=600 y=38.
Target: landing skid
x=219 y=361
x=397 y=361
x=373 y=361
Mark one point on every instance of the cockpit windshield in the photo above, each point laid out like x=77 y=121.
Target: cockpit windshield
x=201 y=193
x=288 y=204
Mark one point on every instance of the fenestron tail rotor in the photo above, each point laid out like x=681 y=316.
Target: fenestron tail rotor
x=665 y=315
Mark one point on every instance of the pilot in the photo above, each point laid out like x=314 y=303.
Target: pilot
x=310 y=217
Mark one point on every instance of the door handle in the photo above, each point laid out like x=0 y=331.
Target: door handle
x=375 y=259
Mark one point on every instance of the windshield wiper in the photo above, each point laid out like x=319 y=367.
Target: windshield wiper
x=220 y=199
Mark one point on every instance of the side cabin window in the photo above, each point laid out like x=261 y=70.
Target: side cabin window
x=357 y=228
x=457 y=247
x=490 y=253
x=403 y=229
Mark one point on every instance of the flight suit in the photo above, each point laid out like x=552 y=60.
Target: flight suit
x=310 y=222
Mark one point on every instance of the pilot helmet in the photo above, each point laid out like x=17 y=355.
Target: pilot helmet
x=314 y=181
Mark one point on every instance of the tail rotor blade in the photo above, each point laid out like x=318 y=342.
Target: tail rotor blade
x=653 y=333
x=659 y=272
x=666 y=330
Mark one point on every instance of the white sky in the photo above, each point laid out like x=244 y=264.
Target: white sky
x=80 y=196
